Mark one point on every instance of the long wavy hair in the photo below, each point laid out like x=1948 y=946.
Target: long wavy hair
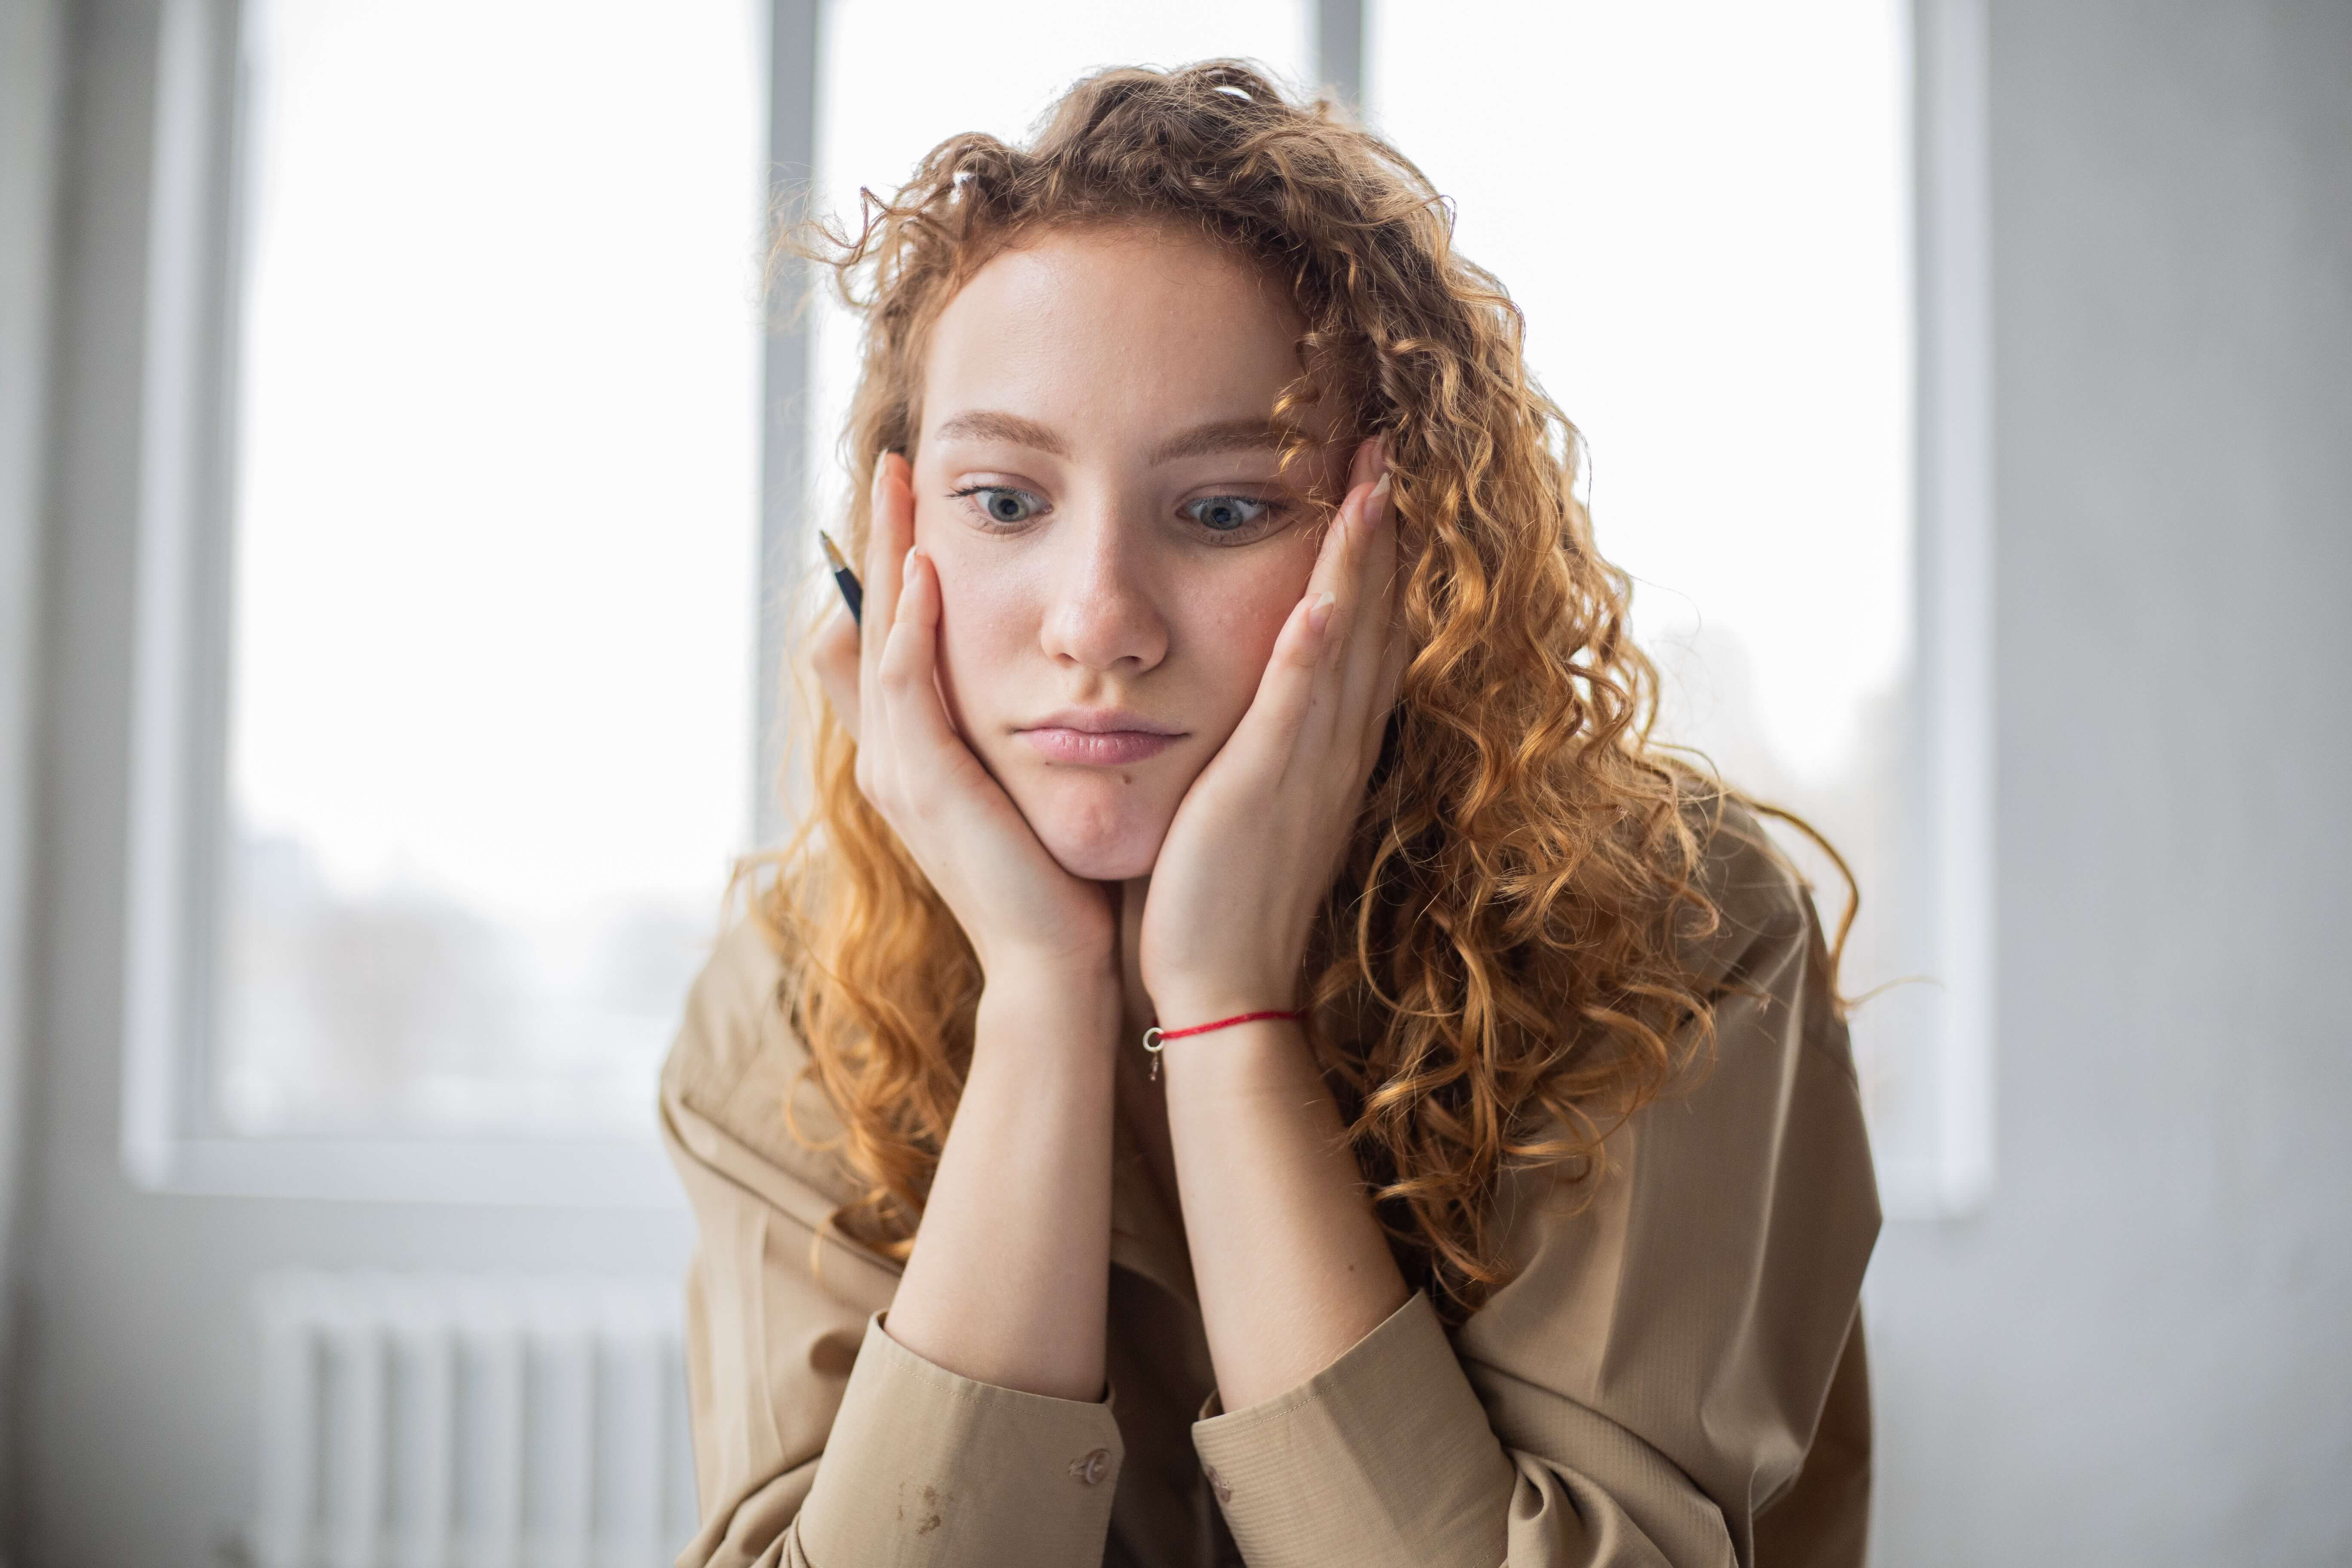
x=1502 y=971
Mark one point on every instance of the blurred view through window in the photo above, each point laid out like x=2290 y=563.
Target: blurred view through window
x=494 y=545
x=1703 y=211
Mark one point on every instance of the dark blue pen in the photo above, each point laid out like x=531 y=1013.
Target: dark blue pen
x=852 y=593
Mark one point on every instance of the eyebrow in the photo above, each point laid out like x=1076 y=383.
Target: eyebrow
x=1221 y=436
x=991 y=424
x=1225 y=436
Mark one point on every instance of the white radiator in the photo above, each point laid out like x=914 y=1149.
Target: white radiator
x=422 y=1421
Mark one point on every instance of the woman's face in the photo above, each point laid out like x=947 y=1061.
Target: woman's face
x=1098 y=480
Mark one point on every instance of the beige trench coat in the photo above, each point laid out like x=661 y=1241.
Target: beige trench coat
x=1674 y=1376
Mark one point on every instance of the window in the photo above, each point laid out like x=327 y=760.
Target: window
x=478 y=287
x=493 y=537
x=455 y=545
x=493 y=543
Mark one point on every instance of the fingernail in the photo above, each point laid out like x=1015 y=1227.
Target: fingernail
x=1381 y=490
x=1319 y=613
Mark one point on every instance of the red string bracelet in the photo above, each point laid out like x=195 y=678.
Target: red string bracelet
x=1156 y=1036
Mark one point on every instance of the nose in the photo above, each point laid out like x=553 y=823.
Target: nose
x=1103 y=614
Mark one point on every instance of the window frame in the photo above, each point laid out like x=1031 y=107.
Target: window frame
x=1951 y=770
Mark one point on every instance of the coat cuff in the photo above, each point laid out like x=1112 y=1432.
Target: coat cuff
x=926 y=1466
x=1385 y=1456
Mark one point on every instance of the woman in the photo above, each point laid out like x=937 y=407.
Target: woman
x=1235 y=660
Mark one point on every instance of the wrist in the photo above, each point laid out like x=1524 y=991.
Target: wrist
x=1061 y=995
x=1081 y=965
x=1185 y=1006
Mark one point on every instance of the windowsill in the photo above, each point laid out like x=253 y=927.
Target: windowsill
x=530 y=1174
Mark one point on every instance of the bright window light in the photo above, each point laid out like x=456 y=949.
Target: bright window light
x=1703 y=211
x=494 y=556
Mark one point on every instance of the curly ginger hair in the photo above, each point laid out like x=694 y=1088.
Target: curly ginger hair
x=1500 y=973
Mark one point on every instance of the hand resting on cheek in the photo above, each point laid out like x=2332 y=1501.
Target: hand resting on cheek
x=1257 y=837
x=1015 y=903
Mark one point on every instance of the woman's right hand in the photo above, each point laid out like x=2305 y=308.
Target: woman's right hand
x=1021 y=910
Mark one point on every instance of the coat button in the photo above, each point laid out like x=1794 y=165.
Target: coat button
x=1088 y=1468
x=1217 y=1483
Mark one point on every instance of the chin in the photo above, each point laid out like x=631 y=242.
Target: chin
x=1094 y=828
x=1100 y=862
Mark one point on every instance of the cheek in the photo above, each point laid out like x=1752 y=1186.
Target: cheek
x=985 y=622
x=1236 y=625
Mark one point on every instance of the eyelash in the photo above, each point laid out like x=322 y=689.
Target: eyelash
x=969 y=491
x=1276 y=511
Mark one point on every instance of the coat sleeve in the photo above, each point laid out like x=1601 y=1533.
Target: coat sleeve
x=1680 y=1343
x=819 y=1441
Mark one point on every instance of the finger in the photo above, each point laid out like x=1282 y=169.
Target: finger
x=920 y=734
x=889 y=534
x=1376 y=595
x=1340 y=543
x=1397 y=655
x=1344 y=620
x=1286 y=691
x=834 y=659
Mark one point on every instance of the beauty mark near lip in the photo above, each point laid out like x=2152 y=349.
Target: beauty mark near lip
x=1102 y=738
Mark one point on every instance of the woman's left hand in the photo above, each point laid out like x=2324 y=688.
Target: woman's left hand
x=1257 y=839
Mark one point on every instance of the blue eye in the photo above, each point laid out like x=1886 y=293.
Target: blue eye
x=1226 y=514
x=1004 y=505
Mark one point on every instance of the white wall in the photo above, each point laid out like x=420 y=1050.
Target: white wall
x=2142 y=1351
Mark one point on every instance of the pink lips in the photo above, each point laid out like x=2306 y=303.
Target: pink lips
x=1101 y=738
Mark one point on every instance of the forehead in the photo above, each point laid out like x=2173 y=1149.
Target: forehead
x=1104 y=328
